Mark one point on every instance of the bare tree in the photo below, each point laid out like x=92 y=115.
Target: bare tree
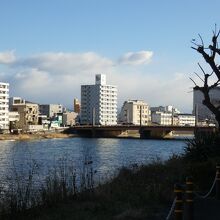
x=210 y=54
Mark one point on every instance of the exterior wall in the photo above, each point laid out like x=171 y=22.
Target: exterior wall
x=51 y=109
x=69 y=118
x=200 y=110
x=15 y=101
x=28 y=114
x=186 y=120
x=162 y=118
x=99 y=101
x=35 y=127
x=167 y=109
x=13 y=116
x=130 y=112
x=4 y=106
x=76 y=106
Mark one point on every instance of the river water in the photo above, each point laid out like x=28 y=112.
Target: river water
x=107 y=155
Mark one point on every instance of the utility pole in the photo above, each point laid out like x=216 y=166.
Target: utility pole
x=140 y=115
x=196 y=115
x=172 y=115
x=93 y=116
x=127 y=116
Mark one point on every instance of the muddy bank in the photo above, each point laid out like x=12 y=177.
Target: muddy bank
x=34 y=136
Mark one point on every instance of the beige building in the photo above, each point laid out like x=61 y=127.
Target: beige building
x=69 y=118
x=76 y=105
x=135 y=112
x=28 y=112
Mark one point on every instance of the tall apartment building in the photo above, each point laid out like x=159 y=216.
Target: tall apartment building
x=4 y=106
x=99 y=102
x=76 y=105
x=200 y=110
x=28 y=112
x=51 y=110
x=135 y=112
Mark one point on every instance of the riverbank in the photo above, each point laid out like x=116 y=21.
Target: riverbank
x=52 y=135
x=137 y=192
x=35 y=136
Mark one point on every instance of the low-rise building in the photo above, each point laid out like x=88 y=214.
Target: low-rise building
x=69 y=118
x=135 y=112
x=50 y=110
x=162 y=118
x=186 y=119
x=28 y=112
x=13 y=118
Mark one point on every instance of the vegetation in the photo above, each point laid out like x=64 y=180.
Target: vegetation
x=138 y=192
x=210 y=79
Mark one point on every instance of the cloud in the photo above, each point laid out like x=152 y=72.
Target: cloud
x=65 y=63
x=136 y=58
x=172 y=89
x=56 y=78
x=7 y=57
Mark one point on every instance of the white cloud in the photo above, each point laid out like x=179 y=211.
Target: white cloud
x=66 y=63
x=136 y=58
x=57 y=77
x=156 y=90
x=7 y=57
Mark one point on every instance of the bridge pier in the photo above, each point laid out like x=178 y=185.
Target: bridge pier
x=149 y=134
x=98 y=133
x=145 y=132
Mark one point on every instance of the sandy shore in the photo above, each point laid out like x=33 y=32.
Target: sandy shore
x=35 y=136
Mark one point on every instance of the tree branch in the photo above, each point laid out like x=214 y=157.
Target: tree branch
x=199 y=76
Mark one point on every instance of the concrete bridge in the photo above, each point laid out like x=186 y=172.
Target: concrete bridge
x=143 y=131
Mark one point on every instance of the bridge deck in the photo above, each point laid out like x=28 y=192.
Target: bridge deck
x=151 y=128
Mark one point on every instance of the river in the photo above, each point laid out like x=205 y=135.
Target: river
x=107 y=155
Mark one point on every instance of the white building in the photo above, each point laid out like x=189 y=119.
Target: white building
x=167 y=109
x=162 y=118
x=99 y=103
x=50 y=109
x=4 y=106
x=13 y=116
x=186 y=120
x=135 y=112
x=200 y=110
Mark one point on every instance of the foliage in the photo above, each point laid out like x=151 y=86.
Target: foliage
x=203 y=147
x=210 y=54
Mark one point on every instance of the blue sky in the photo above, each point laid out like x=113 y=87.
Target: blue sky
x=50 y=47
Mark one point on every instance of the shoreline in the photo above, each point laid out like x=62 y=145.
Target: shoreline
x=35 y=136
x=54 y=135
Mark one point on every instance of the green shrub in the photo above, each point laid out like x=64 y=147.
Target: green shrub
x=203 y=147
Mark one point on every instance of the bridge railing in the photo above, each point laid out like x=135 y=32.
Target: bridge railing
x=183 y=203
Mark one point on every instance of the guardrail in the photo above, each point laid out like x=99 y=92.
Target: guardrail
x=183 y=203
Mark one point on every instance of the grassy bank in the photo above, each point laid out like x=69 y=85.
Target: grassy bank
x=138 y=192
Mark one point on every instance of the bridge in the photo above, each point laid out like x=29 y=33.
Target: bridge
x=153 y=131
